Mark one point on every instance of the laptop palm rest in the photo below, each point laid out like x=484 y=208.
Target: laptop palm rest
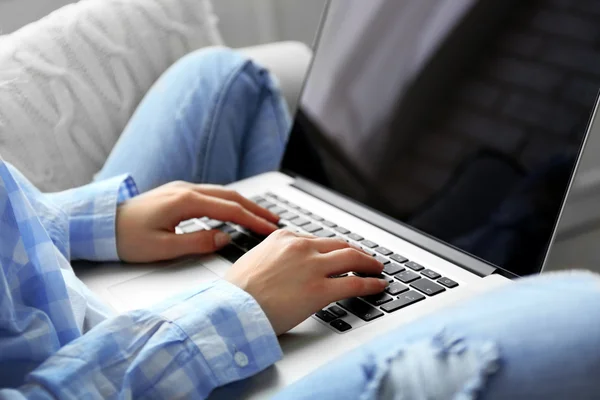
x=160 y=284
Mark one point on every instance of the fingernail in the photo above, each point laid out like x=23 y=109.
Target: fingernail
x=221 y=239
x=384 y=282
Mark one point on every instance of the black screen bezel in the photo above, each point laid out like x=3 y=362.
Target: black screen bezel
x=419 y=238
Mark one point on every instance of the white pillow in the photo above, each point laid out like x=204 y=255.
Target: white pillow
x=70 y=82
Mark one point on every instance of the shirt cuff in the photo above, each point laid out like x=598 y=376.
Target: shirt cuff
x=92 y=216
x=235 y=338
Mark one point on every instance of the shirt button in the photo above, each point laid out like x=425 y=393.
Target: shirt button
x=240 y=359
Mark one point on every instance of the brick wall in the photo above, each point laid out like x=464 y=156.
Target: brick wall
x=533 y=86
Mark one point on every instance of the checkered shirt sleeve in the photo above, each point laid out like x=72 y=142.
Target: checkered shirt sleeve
x=91 y=213
x=183 y=348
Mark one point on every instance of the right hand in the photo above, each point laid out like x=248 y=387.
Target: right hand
x=288 y=275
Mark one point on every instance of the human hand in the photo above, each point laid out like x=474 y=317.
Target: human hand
x=288 y=275
x=146 y=224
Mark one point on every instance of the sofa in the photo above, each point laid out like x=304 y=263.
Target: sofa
x=70 y=81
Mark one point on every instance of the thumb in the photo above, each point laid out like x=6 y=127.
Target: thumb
x=202 y=242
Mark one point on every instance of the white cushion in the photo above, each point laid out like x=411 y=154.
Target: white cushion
x=70 y=82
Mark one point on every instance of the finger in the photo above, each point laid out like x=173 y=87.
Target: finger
x=225 y=210
x=353 y=286
x=232 y=195
x=328 y=245
x=203 y=242
x=350 y=260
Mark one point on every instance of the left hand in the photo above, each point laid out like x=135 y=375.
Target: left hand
x=146 y=224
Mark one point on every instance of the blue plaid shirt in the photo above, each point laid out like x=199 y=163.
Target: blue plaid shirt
x=57 y=340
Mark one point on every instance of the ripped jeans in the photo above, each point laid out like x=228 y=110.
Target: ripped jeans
x=538 y=338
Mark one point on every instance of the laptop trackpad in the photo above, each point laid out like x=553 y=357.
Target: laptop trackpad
x=159 y=285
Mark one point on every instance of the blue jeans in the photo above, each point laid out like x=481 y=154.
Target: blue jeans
x=215 y=117
x=538 y=338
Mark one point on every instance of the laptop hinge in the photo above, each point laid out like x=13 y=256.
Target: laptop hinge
x=395 y=227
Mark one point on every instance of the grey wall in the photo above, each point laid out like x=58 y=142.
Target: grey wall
x=243 y=22
x=16 y=13
x=248 y=22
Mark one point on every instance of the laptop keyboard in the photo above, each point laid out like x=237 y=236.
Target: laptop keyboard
x=410 y=282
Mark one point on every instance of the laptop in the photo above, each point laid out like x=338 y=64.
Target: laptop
x=424 y=136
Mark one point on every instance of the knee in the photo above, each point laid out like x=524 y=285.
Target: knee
x=444 y=366
x=575 y=281
x=224 y=69
x=211 y=59
x=217 y=66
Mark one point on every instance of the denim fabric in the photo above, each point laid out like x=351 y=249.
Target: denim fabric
x=214 y=117
x=536 y=339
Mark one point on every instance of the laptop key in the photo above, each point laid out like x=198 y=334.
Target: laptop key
x=324 y=233
x=191 y=228
x=341 y=325
x=404 y=300
x=244 y=241
x=278 y=210
x=187 y=222
x=407 y=276
x=383 y=251
x=231 y=253
x=356 y=237
x=214 y=224
x=393 y=268
x=338 y=311
x=414 y=266
x=427 y=287
x=228 y=229
x=292 y=205
x=342 y=230
x=266 y=204
x=288 y=216
x=430 y=274
x=396 y=288
x=310 y=228
x=361 y=309
x=369 y=251
x=449 y=283
x=329 y=224
x=304 y=211
x=378 y=299
x=398 y=258
x=369 y=244
x=300 y=221
x=382 y=260
x=317 y=217
x=326 y=316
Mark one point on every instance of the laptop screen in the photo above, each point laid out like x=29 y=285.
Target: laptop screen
x=462 y=119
